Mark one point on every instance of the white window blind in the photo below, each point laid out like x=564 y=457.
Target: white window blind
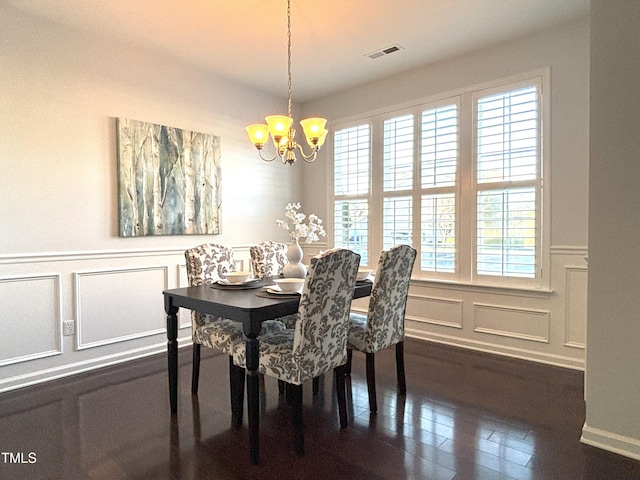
x=397 y=219
x=506 y=232
x=508 y=136
x=398 y=153
x=438 y=171
x=507 y=167
x=439 y=149
x=438 y=239
x=352 y=159
x=459 y=178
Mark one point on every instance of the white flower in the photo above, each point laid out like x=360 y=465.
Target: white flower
x=296 y=227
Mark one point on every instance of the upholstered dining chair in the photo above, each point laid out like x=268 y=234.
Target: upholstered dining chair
x=206 y=264
x=268 y=258
x=318 y=343
x=383 y=326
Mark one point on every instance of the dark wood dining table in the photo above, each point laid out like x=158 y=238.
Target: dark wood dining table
x=247 y=306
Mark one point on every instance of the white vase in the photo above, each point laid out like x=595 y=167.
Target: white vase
x=294 y=268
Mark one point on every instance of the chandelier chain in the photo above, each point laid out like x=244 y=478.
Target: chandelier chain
x=289 y=54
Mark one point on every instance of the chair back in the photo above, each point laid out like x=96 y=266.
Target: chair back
x=320 y=338
x=208 y=263
x=388 y=301
x=268 y=258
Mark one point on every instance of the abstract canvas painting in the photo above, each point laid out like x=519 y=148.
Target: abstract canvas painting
x=168 y=180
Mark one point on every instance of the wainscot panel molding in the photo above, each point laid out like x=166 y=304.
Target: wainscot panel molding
x=88 y=255
x=116 y=305
x=525 y=324
x=576 y=298
x=435 y=311
x=542 y=325
x=31 y=305
x=113 y=298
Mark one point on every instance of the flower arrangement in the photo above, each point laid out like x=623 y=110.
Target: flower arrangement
x=296 y=226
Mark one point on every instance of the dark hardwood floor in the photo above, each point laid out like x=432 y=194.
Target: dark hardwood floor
x=466 y=415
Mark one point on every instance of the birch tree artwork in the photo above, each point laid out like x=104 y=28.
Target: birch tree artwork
x=168 y=179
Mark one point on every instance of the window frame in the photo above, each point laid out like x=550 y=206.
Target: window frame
x=466 y=183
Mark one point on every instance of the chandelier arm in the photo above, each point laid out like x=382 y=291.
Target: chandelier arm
x=275 y=155
x=308 y=158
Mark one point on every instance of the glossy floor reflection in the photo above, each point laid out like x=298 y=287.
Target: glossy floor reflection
x=466 y=416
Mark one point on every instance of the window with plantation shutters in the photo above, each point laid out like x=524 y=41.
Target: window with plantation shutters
x=458 y=177
x=507 y=182
x=397 y=172
x=439 y=179
x=351 y=189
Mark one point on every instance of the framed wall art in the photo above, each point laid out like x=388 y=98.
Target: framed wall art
x=168 y=180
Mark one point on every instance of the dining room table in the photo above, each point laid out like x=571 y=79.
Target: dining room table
x=250 y=305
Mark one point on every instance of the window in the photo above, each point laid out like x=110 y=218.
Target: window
x=459 y=178
x=352 y=159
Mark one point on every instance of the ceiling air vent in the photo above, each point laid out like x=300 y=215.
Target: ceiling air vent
x=384 y=51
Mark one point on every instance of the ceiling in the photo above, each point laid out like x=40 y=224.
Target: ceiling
x=246 y=40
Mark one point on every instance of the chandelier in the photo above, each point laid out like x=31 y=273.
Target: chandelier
x=280 y=127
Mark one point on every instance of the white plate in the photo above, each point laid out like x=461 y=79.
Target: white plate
x=224 y=281
x=277 y=291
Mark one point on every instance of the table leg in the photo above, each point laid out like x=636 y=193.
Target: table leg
x=172 y=354
x=253 y=398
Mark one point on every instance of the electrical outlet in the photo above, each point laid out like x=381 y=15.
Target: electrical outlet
x=68 y=327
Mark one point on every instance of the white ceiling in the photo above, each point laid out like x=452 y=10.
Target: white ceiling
x=246 y=41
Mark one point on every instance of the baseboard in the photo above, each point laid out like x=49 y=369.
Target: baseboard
x=67 y=370
x=612 y=442
x=522 y=354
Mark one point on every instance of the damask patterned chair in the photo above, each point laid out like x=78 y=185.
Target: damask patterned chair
x=206 y=264
x=267 y=260
x=383 y=326
x=318 y=344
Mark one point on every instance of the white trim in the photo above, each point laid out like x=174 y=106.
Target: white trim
x=545 y=314
x=78 y=305
x=56 y=277
x=42 y=257
x=495 y=349
x=612 y=442
x=66 y=370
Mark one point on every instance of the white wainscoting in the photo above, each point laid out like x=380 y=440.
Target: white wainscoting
x=576 y=309
x=547 y=325
x=526 y=324
x=115 y=305
x=445 y=312
x=31 y=317
x=114 y=300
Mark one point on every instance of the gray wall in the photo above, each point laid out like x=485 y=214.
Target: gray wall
x=613 y=328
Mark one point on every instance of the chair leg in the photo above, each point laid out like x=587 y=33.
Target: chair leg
x=280 y=387
x=316 y=386
x=340 y=373
x=371 y=382
x=195 y=372
x=402 y=383
x=236 y=381
x=295 y=392
x=349 y=357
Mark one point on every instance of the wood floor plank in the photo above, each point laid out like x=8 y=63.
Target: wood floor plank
x=466 y=415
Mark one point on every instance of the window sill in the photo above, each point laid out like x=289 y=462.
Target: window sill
x=484 y=287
